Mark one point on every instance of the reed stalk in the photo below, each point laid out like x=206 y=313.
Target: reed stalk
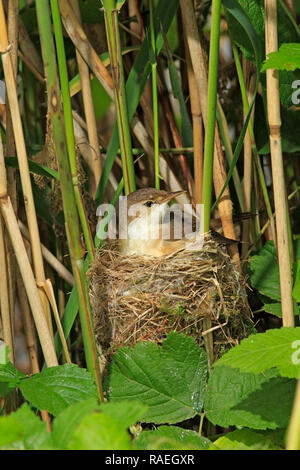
x=6 y=316
x=260 y=172
x=32 y=291
x=280 y=198
x=197 y=128
x=293 y=434
x=211 y=112
x=23 y=162
x=154 y=97
x=219 y=170
x=30 y=337
x=68 y=196
x=69 y=129
x=114 y=47
x=89 y=111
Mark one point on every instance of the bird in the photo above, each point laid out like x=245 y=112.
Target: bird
x=151 y=228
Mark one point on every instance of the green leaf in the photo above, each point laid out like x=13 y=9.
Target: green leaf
x=34 y=168
x=67 y=421
x=104 y=430
x=227 y=388
x=267 y=403
x=170 y=378
x=9 y=374
x=171 y=438
x=276 y=309
x=127 y=413
x=10 y=431
x=56 y=388
x=264 y=272
x=99 y=432
x=278 y=348
x=286 y=58
x=35 y=434
x=243 y=439
x=296 y=288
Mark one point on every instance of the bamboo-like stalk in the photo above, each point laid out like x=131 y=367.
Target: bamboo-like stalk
x=25 y=269
x=30 y=336
x=68 y=197
x=260 y=172
x=197 y=128
x=277 y=168
x=23 y=162
x=293 y=434
x=12 y=9
x=83 y=45
x=249 y=80
x=211 y=112
x=154 y=98
x=219 y=171
x=4 y=298
x=69 y=129
x=115 y=53
x=89 y=111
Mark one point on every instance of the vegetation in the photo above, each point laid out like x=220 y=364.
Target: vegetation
x=103 y=97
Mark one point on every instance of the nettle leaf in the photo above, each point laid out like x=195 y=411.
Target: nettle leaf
x=267 y=403
x=104 y=430
x=67 y=421
x=278 y=348
x=244 y=439
x=56 y=388
x=264 y=272
x=171 y=438
x=286 y=58
x=170 y=378
x=227 y=389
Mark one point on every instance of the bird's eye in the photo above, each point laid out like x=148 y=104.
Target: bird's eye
x=148 y=203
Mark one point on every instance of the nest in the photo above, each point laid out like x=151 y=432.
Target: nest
x=143 y=299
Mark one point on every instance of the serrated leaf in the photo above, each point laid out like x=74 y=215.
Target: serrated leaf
x=267 y=403
x=278 y=348
x=286 y=58
x=227 y=388
x=66 y=422
x=170 y=378
x=56 y=388
x=243 y=439
x=264 y=272
x=104 y=430
x=171 y=438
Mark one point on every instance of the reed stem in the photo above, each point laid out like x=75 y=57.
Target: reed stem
x=277 y=168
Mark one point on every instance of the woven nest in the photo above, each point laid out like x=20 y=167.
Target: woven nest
x=137 y=299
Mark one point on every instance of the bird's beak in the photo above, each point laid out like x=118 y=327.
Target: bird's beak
x=172 y=196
